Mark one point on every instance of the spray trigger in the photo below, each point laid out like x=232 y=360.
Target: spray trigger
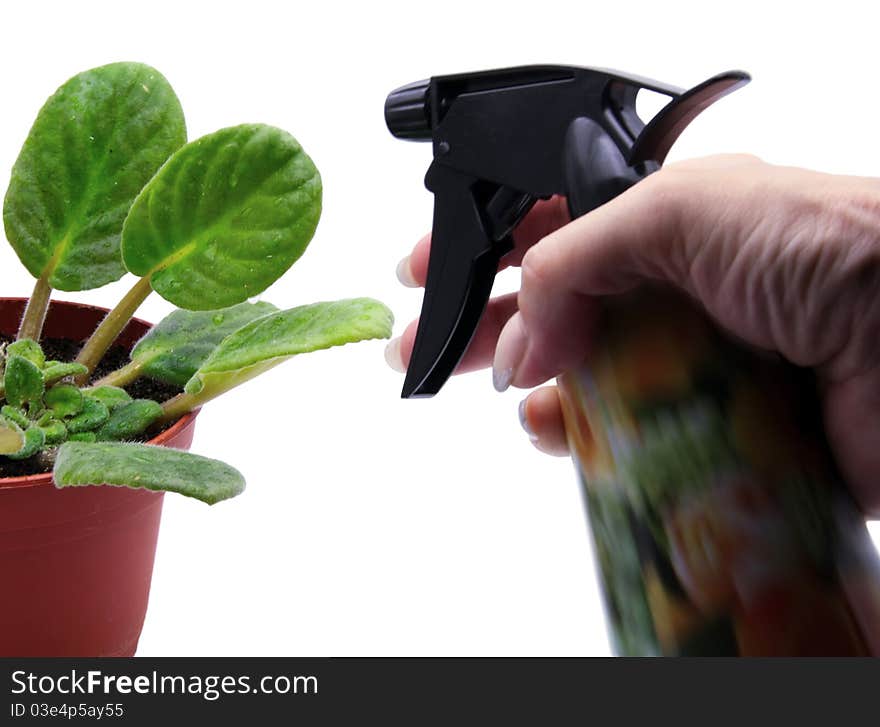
x=502 y=140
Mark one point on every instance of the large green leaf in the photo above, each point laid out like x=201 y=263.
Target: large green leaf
x=224 y=218
x=148 y=467
x=272 y=339
x=93 y=146
x=174 y=349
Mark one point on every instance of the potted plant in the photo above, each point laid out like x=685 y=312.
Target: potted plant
x=105 y=185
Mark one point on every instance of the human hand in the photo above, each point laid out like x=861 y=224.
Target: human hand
x=786 y=259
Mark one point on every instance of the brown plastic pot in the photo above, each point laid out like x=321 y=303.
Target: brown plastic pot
x=76 y=565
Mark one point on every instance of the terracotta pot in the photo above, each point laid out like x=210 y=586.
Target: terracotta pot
x=76 y=565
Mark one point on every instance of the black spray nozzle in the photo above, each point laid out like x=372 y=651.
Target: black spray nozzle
x=406 y=112
x=504 y=139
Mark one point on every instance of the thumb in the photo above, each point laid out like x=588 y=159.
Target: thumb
x=631 y=239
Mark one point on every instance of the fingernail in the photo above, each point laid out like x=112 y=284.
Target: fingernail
x=404 y=273
x=393 y=356
x=501 y=378
x=508 y=353
x=524 y=421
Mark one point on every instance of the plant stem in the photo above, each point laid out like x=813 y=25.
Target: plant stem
x=177 y=406
x=35 y=312
x=121 y=377
x=111 y=327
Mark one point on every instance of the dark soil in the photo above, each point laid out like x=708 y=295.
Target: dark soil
x=65 y=349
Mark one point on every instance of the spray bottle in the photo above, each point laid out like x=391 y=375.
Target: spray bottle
x=720 y=523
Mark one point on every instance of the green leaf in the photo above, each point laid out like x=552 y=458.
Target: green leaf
x=26 y=348
x=57 y=370
x=266 y=342
x=110 y=396
x=174 y=349
x=65 y=400
x=11 y=436
x=129 y=420
x=34 y=439
x=15 y=414
x=22 y=380
x=92 y=416
x=224 y=218
x=36 y=409
x=148 y=467
x=82 y=437
x=93 y=146
x=54 y=431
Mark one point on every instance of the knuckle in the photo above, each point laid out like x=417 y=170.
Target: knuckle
x=666 y=203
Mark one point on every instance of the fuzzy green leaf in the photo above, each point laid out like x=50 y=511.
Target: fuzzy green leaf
x=174 y=349
x=22 y=380
x=11 y=436
x=145 y=466
x=57 y=370
x=92 y=416
x=266 y=342
x=15 y=414
x=129 y=420
x=110 y=396
x=34 y=439
x=82 y=437
x=93 y=146
x=26 y=348
x=65 y=400
x=224 y=218
x=54 y=431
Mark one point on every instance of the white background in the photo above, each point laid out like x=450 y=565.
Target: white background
x=371 y=525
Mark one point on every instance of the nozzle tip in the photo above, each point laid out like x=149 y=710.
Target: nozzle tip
x=406 y=112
